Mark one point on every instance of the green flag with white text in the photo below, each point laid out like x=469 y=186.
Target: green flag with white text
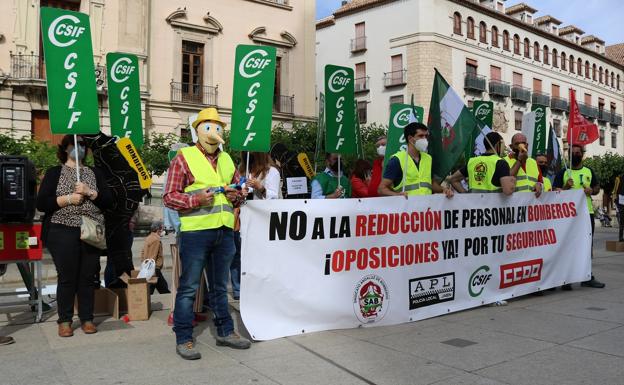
x=539 y=135
x=339 y=112
x=124 y=100
x=400 y=116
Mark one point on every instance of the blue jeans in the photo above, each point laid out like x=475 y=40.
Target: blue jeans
x=235 y=268
x=213 y=249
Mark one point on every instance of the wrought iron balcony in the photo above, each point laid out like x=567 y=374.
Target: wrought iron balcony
x=474 y=82
x=284 y=104
x=558 y=104
x=588 y=111
x=361 y=84
x=541 y=99
x=616 y=119
x=395 y=78
x=358 y=44
x=194 y=93
x=499 y=88
x=520 y=94
x=27 y=67
x=603 y=115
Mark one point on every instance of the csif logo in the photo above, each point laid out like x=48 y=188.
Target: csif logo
x=539 y=114
x=482 y=111
x=338 y=78
x=63 y=27
x=255 y=61
x=478 y=280
x=122 y=66
x=402 y=117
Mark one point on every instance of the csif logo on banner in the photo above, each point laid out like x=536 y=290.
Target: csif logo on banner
x=340 y=133
x=400 y=115
x=72 y=96
x=478 y=280
x=252 y=104
x=124 y=97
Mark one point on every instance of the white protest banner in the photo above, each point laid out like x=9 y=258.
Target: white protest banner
x=312 y=265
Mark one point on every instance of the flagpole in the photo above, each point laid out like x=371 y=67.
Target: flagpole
x=77 y=158
x=572 y=100
x=406 y=167
x=247 y=167
x=339 y=171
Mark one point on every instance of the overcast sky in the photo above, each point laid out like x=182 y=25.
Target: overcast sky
x=603 y=18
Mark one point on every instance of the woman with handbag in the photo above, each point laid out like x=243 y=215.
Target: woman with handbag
x=71 y=206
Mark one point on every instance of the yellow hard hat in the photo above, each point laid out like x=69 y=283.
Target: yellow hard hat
x=210 y=114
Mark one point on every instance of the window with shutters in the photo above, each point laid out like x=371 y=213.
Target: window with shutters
x=494 y=33
x=518 y=120
x=192 y=71
x=555 y=58
x=362 y=111
x=457 y=21
x=470 y=28
x=555 y=91
x=516 y=44
x=546 y=55
x=602 y=137
x=482 y=32
x=536 y=51
x=527 y=48
x=613 y=140
x=537 y=85
x=506 y=40
x=557 y=127
x=495 y=73
x=517 y=79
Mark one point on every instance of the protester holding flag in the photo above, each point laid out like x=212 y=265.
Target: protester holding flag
x=264 y=178
x=409 y=172
x=487 y=173
x=542 y=163
x=523 y=167
x=198 y=188
x=377 y=170
x=581 y=177
x=325 y=185
x=360 y=179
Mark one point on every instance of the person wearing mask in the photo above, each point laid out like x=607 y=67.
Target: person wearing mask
x=487 y=173
x=524 y=168
x=415 y=164
x=378 y=163
x=583 y=178
x=542 y=163
x=360 y=179
x=64 y=201
x=325 y=184
x=153 y=249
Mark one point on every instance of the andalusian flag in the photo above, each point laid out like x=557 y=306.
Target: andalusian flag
x=451 y=126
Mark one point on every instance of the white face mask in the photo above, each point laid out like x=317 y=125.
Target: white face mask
x=381 y=150
x=421 y=145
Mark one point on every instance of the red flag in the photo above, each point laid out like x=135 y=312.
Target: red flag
x=580 y=130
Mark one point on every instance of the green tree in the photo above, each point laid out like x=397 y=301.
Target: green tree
x=42 y=154
x=155 y=151
x=606 y=167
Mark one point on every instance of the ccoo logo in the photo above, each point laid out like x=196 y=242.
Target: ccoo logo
x=402 y=117
x=339 y=78
x=61 y=29
x=478 y=280
x=122 y=66
x=254 y=60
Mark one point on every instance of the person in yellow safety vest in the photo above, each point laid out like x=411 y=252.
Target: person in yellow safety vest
x=198 y=187
x=411 y=167
x=487 y=173
x=583 y=178
x=524 y=168
x=542 y=163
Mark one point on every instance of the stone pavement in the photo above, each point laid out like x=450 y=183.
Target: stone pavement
x=572 y=337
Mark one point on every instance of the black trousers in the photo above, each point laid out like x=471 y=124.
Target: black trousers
x=621 y=221
x=161 y=285
x=77 y=266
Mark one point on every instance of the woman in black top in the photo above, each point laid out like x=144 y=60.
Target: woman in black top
x=64 y=201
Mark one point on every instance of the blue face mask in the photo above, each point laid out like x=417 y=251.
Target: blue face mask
x=72 y=152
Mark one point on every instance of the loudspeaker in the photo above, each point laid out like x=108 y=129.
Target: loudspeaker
x=18 y=189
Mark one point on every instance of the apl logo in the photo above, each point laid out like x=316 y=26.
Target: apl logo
x=254 y=60
x=339 y=78
x=370 y=299
x=122 y=66
x=60 y=29
x=482 y=111
x=478 y=280
x=402 y=117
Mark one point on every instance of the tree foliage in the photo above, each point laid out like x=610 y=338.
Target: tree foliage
x=606 y=167
x=42 y=154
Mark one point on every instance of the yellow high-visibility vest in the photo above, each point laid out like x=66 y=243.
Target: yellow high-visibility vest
x=417 y=179
x=525 y=180
x=480 y=172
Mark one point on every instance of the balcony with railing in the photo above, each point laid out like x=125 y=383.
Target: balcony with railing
x=27 y=67
x=588 y=111
x=499 y=88
x=358 y=44
x=616 y=119
x=194 y=93
x=604 y=115
x=558 y=104
x=540 y=99
x=474 y=82
x=395 y=78
x=520 y=94
x=284 y=104
x=362 y=84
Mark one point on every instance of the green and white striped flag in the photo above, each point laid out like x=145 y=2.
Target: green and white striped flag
x=451 y=126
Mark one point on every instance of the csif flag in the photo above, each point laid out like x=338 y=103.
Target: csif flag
x=580 y=130
x=451 y=126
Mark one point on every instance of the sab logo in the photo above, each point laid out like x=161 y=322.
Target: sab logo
x=370 y=299
x=59 y=29
x=339 y=78
x=251 y=62
x=118 y=68
x=402 y=117
x=478 y=281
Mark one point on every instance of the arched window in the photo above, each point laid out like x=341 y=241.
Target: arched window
x=494 y=36
x=587 y=69
x=457 y=21
x=594 y=72
x=563 y=61
x=546 y=55
x=612 y=80
x=606 y=82
x=579 y=67
x=555 y=57
x=527 y=48
x=572 y=64
x=536 y=51
x=617 y=82
x=470 y=28
x=517 y=44
x=482 y=32
x=506 y=40
x=600 y=74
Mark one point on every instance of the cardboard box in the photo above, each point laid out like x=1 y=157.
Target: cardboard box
x=615 y=246
x=138 y=298
x=106 y=303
